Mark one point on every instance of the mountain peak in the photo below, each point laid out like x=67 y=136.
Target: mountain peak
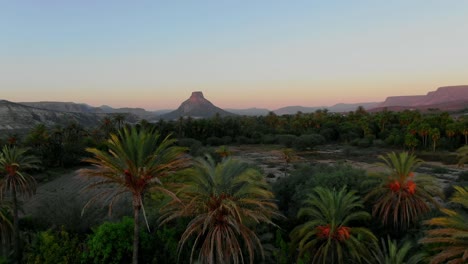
x=196 y=106
x=197 y=95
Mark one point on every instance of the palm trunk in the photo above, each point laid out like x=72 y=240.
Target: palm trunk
x=136 y=228
x=15 y=227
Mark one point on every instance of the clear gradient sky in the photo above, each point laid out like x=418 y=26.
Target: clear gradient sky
x=154 y=53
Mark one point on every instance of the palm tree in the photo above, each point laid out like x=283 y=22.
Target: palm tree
x=13 y=164
x=392 y=253
x=462 y=154
x=225 y=201
x=287 y=155
x=328 y=234
x=450 y=233
x=401 y=197
x=137 y=161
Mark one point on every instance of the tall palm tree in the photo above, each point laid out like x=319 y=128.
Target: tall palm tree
x=450 y=233
x=329 y=235
x=225 y=201
x=392 y=253
x=14 y=180
x=401 y=197
x=136 y=161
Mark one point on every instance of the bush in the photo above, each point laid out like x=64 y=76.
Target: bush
x=287 y=140
x=243 y=140
x=329 y=134
x=379 y=143
x=214 y=141
x=290 y=191
x=269 y=139
x=192 y=144
x=51 y=247
x=226 y=140
x=308 y=141
x=113 y=243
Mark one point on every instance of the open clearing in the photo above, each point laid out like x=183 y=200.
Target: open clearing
x=65 y=195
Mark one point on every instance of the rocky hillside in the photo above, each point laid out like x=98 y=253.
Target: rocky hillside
x=443 y=95
x=18 y=117
x=140 y=113
x=197 y=107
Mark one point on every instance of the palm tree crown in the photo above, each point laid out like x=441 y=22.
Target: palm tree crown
x=224 y=200
x=392 y=253
x=136 y=161
x=401 y=196
x=13 y=164
x=450 y=235
x=328 y=233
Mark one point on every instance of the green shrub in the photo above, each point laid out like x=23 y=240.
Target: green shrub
x=287 y=140
x=308 y=141
x=269 y=139
x=112 y=243
x=291 y=190
x=214 y=141
x=51 y=247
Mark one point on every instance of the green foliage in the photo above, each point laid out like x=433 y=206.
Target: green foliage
x=308 y=141
x=191 y=144
x=51 y=247
x=292 y=190
x=112 y=243
x=167 y=241
x=287 y=140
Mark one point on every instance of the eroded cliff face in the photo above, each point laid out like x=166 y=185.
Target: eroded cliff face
x=197 y=106
x=442 y=95
x=19 y=117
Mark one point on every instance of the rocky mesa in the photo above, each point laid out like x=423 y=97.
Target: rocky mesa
x=442 y=95
x=196 y=107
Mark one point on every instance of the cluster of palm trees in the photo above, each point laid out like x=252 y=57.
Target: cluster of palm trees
x=226 y=201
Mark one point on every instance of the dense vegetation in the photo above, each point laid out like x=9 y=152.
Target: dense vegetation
x=185 y=199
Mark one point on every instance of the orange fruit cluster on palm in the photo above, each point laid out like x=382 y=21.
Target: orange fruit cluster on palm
x=408 y=187
x=341 y=233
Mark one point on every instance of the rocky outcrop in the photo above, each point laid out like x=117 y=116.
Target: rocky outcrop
x=196 y=107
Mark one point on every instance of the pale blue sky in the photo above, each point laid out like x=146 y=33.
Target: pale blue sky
x=153 y=54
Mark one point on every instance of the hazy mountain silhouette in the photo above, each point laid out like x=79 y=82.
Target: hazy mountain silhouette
x=197 y=107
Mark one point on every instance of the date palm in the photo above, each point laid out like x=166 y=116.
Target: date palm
x=329 y=235
x=136 y=162
x=14 y=162
x=225 y=201
x=401 y=197
x=450 y=234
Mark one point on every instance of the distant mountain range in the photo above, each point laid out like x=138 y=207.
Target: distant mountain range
x=17 y=116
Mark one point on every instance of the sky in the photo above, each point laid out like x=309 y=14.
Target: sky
x=240 y=54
